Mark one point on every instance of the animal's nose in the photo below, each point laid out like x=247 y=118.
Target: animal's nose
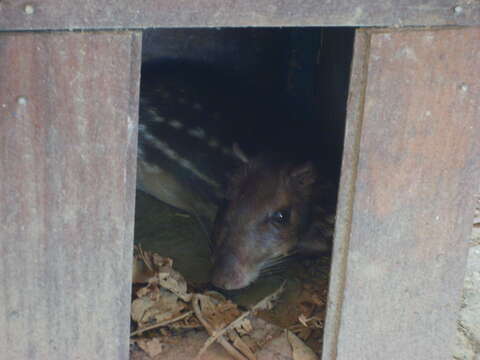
x=229 y=283
x=228 y=274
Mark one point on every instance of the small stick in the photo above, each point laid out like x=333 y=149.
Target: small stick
x=224 y=342
x=143 y=257
x=160 y=324
x=260 y=305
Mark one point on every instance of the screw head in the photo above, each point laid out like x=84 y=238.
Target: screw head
x=22 y=100
x=29 y=9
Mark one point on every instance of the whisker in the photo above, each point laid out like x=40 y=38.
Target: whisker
x=275 y=274
x=271 y=273
x=278 y=263
x=274 y=268
x=280 y=260
x=275 y=261
x=280 y=267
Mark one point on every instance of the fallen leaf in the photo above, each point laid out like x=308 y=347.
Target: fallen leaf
x=300 y=351
x=152 y=346
x=148 y=311
x=140 y=272
x=173 y=281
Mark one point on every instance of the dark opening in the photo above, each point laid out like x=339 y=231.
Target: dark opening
x=281 y=90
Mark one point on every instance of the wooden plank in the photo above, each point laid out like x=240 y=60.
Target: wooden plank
x=356 y=98
x=412 y=205
x=114 y=14
x=68 y=125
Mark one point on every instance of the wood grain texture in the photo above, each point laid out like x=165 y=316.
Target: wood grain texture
x=68 y=126
x=412 y=206
x=356 y=98
x=114 y=14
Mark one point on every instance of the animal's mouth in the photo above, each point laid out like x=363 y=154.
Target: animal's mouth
x=231 y=274
x=233 y=277
x=232 y=287
x=233 y=281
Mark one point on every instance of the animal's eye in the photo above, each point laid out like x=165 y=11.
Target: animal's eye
x=281 y=216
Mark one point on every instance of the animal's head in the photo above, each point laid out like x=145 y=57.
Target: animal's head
x=262 y=219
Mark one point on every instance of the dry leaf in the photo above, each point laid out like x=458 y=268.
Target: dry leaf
x=152 y=346
x=173 y=281
x=244 y=327
x=300 y=351
x=147 y=311
x=139 y=307
x=160 y=269
x=204 y=308
x=217 y=314
x=152 y=290
x=160 y=263
x=301 y=331
x=216 y=295
x=241 y=346
x=315 y=321
x=218 y=334
x=140 y=272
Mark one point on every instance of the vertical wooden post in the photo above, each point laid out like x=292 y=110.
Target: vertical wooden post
x=68 y=125
x=411 y=167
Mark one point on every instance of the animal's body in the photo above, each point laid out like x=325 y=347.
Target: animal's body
x=273 y=206
x=185 y=144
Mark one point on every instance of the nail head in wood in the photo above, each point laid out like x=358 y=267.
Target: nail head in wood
x=29 y=9
x=22 y=100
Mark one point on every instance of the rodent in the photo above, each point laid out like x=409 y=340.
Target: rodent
x=184 y=140
x=274 y=207
x=270 y=208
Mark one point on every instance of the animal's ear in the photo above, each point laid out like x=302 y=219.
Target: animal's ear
x=239 y=153
x=304 y=175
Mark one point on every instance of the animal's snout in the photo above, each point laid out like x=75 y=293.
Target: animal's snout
x=230 y=274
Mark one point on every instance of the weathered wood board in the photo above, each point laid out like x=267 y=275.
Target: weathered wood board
x=68 y=132
x=356 y=97
x=411 y=164
x=114 y=14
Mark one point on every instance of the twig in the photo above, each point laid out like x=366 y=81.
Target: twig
x=224 y=342
x=262 y=304
x=143 y=257
x=160 y=324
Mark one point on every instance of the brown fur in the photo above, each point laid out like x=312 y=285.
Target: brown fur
x=245 y=237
